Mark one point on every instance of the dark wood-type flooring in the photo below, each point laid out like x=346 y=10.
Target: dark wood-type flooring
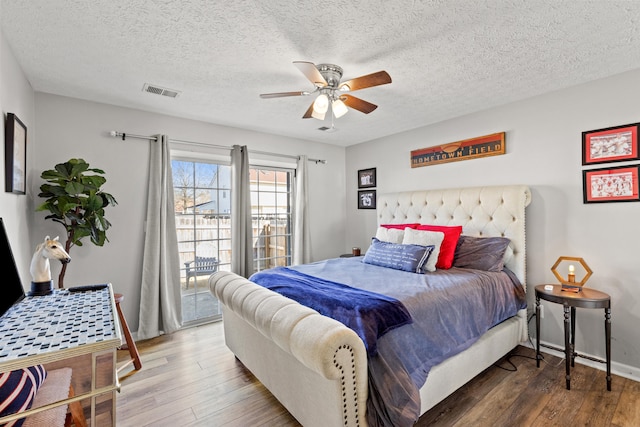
x=190 y=378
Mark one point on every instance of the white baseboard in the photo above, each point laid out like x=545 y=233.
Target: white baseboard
x=620 y=369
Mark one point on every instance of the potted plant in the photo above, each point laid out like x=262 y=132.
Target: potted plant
x=76 y=200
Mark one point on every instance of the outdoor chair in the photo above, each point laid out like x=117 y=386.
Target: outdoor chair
x=200 y=266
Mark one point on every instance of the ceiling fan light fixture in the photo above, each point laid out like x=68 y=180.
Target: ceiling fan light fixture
x=339 y=109
x=321 y=104
x=317 y=115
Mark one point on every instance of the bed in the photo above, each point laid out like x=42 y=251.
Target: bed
x=317 y=367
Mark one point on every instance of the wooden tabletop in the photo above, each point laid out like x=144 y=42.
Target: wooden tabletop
x=586 y=298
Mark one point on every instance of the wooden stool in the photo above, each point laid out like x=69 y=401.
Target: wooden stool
x=56 y=387
x=131 y=345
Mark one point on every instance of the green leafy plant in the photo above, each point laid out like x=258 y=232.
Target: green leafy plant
x=75 y=199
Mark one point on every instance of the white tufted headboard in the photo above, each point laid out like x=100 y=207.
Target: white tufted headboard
x=482 y=211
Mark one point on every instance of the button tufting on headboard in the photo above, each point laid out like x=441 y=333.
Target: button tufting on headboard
x=482 y=211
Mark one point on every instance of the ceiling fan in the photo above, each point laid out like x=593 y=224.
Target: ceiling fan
x=331 y=92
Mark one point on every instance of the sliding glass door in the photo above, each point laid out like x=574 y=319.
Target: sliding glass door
x=202 y=193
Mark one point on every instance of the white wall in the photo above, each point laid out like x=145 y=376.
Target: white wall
x=16 y=96
x=69 y=128
x=543 y=139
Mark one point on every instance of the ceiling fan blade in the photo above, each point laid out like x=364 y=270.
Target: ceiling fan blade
x=358 y=104
x=362 y=82
x=309 y=112
x=283 y=94
x=311 y=72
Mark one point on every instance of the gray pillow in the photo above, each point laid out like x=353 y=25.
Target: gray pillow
x=481 y=253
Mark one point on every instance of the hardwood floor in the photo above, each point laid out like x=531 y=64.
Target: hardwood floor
x=190 y=378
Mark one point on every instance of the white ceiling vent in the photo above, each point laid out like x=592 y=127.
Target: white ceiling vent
x=171 y=93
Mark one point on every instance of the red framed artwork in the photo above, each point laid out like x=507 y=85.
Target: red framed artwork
x=474 y=148
x=614 y=144
x=618 y=184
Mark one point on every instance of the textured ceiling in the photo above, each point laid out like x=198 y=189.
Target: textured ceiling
x=446 y=58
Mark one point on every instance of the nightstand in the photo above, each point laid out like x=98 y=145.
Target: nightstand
x=586 y=298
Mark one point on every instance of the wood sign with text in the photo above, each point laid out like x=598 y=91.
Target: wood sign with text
x=484 y=146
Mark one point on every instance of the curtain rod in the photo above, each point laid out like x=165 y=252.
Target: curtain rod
x=123 y=135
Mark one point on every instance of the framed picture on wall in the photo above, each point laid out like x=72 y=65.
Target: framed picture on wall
x=367 y=178
x=618 y=184
x=614 y=144
x=367 y=199
x=15 y=155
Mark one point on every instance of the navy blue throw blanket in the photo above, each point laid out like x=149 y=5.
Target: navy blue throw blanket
x=369 y=314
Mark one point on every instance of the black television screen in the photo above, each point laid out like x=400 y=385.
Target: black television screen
x=11 y=290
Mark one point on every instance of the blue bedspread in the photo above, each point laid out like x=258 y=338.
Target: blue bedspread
x=450 y=309
x=369 y=314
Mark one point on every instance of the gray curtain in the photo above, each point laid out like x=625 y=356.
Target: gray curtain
x=160 y=307
x=301 y=234
x=241 y=228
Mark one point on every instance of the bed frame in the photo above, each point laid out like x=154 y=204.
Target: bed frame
x=317 y=367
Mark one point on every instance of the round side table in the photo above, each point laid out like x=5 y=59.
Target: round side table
x=585 y=298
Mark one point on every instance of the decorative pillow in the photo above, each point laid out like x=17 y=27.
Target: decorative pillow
x=448 y=248
x=481 y=253
x=425 y=238
x=400 y=226
x=18 y=388
x=399 y=257
x=391 y=235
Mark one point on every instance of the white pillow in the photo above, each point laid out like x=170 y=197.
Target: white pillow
x=391 y=235
x=425 y=238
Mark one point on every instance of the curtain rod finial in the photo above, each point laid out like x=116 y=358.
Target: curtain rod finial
x=115 y=134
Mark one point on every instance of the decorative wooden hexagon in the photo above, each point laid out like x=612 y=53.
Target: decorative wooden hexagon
x=565 y=281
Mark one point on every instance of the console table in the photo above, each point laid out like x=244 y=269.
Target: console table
x=67 y=329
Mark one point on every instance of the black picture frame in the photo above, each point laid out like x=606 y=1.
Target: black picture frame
x=612 y=144
x=367 y=199
x=15 y=155
x=612 y=184
x=367 y=178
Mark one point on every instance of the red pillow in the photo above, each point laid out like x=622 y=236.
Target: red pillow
x=448 y=246
x=400 y=226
